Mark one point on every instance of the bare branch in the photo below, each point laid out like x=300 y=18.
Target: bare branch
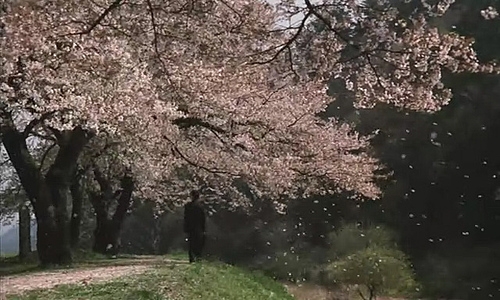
x=236 y=12
x=368 y=58
x=176 y=150
x=155 y=31
x=97 y=21
x=43 y=136
x=312 y=10
x=288 y=43
x=103 y=182
x=35 y=122
x=4 y=162
x=297 y=120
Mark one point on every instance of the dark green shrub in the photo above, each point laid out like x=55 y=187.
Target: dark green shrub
x=375 y=270
x=295 y=267
x=461 y=272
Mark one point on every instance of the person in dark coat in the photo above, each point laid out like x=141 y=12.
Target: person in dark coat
x=194 y=226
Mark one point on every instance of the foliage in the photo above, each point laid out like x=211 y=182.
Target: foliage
x=460 y=272
x=294 y=267
x=175 y=281
x=377 y=269
x=368 y=257
x=116 y=69
x=351 y=238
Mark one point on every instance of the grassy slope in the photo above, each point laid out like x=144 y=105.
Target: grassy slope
x=210 y=281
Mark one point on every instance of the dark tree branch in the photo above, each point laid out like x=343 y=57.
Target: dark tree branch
x=97 y=21
x=6 y=122
x=296 y=120
x=43 y=136
x=176 y=151
x=372 y=66
x=35 y=122
x=361 y=295
x=290 y=58
x=288 y=44
x=127 y=187
x=191 y=122
x=312 y=10
x=4 y=162
x=104 y=149
x=44 y=156
x=240 y=17
x=188 y=122
x=23 y=162
x=103 y=182
x=60 y=136
x=155 y=32
x=65 y=162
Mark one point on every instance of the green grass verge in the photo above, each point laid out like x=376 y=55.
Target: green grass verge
x=11 y=265
x=206 y=280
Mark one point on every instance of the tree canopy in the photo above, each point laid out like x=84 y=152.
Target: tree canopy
x=226 y=89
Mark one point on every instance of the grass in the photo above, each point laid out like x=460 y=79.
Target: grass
x=10 y=265
x=7 y=255
x=205 y=280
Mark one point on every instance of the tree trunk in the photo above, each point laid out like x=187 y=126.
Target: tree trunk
x=24 y=231
x=51 y=249
x=106 y=237
x=76 y=213
x=100 y=236
x=156 y=236
x=36 y=188
x=107 y=232
x=48 y=195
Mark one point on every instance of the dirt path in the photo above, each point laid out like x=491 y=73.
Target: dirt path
x=41 y=280
x=314 y=292
x=84 y=274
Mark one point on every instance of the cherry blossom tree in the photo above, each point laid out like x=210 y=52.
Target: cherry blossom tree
x=108 y=186
x=229 y=90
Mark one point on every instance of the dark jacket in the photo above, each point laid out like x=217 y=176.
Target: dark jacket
x=194 y=218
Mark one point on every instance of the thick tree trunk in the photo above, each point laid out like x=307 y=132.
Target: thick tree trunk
x=48 y=195
x=107 y=232
x=106 y=238
x=51 y=250
x=24 y=231
x=76 y=213
x=36 y=188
